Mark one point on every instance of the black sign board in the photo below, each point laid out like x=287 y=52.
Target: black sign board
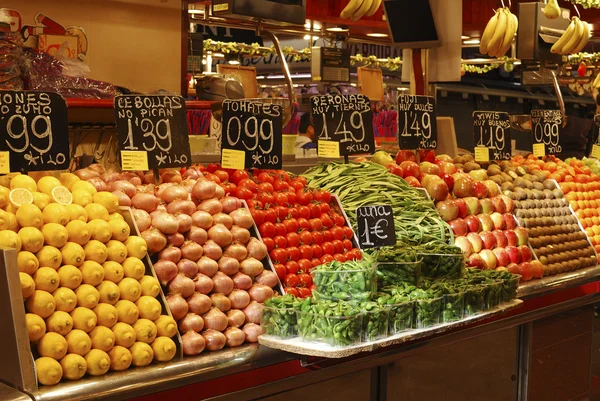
x=375 y=226
x=155 y=124
x=255 y=129
x=545 y=130
x=491 y=130
x=346 y=119
x=417 y=125
x=35 y=133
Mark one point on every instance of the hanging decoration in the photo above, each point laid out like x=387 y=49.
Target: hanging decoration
x=587 y=3
x=507 y=63
x=575 y=59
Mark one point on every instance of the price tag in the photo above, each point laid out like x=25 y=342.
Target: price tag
x=254 y=129
x=375 y=226
x=491 y=130
x=328 y=149
x=35 y=130
x=417 y=126
x=539 y=150
x=346 y=119
x=134 y=160
x=545 y=128
x=596 y=152
x=235 y=159
x=596 y=146
x=154 y=124
x=482 y=154
x=4 y=162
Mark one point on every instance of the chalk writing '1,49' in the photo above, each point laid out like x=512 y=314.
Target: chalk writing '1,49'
x=13 y=124
x=356 y=121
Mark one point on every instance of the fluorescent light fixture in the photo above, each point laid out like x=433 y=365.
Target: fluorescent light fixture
x=280 y=76
x=464 y=37
x=234 y=62
x=472 y=42
x=517 y=63
x=377 y=35
x=260 y=77
x=338 y=29
x=307 y=37
x=218 y=55
x=196 y=12
x=402 y=89
x=353 y=84
x=316 y=26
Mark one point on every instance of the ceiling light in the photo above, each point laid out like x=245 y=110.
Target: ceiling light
x=234 y=62
x=464 y=37
x=292 y=76
x=517 y=63
x=195 y=11
x=307 y=37
x=377 y=35
x=472 y=42
x=338 y=29
x=314 y=25
x=260 y=77
x=218 y=55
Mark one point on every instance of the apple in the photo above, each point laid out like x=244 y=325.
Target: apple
x=486 y=206
x=501 y=240
x=538 y=268
x=428 y=179
x=459 y=175
x=429 y=168
x=405 y=155
x=511 y=237
x=487 y=224
x=476 y=261
x=525 y=253
x=499 y=223
x=502 y=258
x=459 y=227
x=447 y=209
x=479 y=190
x=445 y=158
x=448 y=180
x=463 y=210
x=492 y=188
x=437 y=189
x=427 y=155
x=522 y=236
x=489 y=259
x=411 y=169
x=489 y=240
x=501 y=269
x=513 y=254
x=479 y=174
x=476 y=241
x=508 y=203
x=498 y=204
x=473 y=205
x=464 y=244
x=513 y=268
x=526 y=271
x=510 y=221
x=473 y=223
x=447 y=167
x=463 y=187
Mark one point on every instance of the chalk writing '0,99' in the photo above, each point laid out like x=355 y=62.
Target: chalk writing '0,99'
x=252 y=130
x=152 y=131
x=12 y=124
x=547 y=134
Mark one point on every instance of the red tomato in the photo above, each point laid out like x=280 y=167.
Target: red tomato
x=270 y=244
x=267 y=229
x=280 y=241
x=304 y=212
x=317 y=238
x=303 y=224
x=315 y=262
x=271 y=215
x=243 y=193
x=283 y=175
x=347 y=244
x=327 y=237
x=280 y=270
x=293 y=212
x=327 y=222
x=293 y=239
x=328 y=248
x=248 y=183
x=337 y=232
x=326 y=259
x=317 y=251
x=322 y=196
x=266 y=198
x=282 y=212
x=281 y=199
x=254 y=204
x=305 y=251
x=212 y=177
x=339 y=258
x=258 y=216
x=325 y=208
x=291 y=225
x=304 y=292
x=316 y=224
x=265 y=177
x=293 y=253
x=306 y=237
x=229 y=187
x=211 y=168
x=305 y=265
x=303 y=197
x=280 y=185
x=354 y=254
x=297 y=185
x=337 y=244
x=305 y=279
x=223 y=176
x=265 y=187
x=301 y=179
x=315 y=210
x=292 y=280
x=278 y=255
x=292 y=267
x=238 y=175
x=292 y=291
x=280 y=229
x=338 y=220
x=348 y=233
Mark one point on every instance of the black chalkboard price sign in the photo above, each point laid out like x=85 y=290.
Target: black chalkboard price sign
x=491 y=134
x=152 y=131
x=417 y=126
x=375 y=226
x=252 y=135
x=34 y=129
x=345 y=119
x=545 y=130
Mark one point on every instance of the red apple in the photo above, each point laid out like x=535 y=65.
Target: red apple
x=406 y=155
x=464 y=244
x=479 y=190
x=501 y=269
x=463 y=187
x=473 y=206
x=447 y=210
x=510 y=221
x=463 y=210
x=489 y=240
x=438 y=190
x=538 y=268
x=486 y=206
x=427 y=155
x=525 y=253
x=492 y=188
x=513 y=268
x=502 y=258
x=511 y=237
x=522 y=236
x=501 y=240
x=486 y=222
x=499 y=223
x=411 y=169
x=498 y=204
x=526 y=271
x=447 y=167
x=475 y=260
x=513 y=254
x=429 y=168
x=476 y=241
x=459 y=227
x=489 y=259
x=448 y=180
x=445 y=158
x=473 y=223
x=508 y=203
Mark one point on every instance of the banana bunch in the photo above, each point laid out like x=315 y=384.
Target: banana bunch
x=574 y=39
x=356 y=9
x=499 y=33
x=596 y=83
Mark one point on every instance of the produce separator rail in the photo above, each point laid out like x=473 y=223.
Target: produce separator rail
x=558 y=282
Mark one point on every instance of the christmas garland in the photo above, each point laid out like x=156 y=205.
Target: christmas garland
x=587 y=3
x=575 y=59
x=485 y=68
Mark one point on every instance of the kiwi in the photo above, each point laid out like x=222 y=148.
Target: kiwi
x=505 y=186
x=549 y=184
x=538 y=185
x=494 y=170
x=507 y=177
x=470 y=166
x=497 y=179
x=521 y=171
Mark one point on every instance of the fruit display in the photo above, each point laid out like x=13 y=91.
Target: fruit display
x=91 y=303
x=574 y=39
x=356 y=9
x=499 y=33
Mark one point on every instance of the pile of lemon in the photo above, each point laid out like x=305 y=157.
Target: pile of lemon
x=90 y=306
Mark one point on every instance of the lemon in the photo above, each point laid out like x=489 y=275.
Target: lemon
x=70 y=276
x=106 y=314
x=55 y=234
x=98 y=362
x=46 y=279
x=12 y=221
x=65 y=299
x=59 y=322
x=79 y=232
x=49 y=256
x=127 y=311
x=27 y=262
x=72 y=254
x=117 y=251
x=84 y=186
x=120 y=358
x=41 y=303
x=82 y=198
x=5 y=220
x=136 y=246
x=108 y=200
x=23 y=181
x=74 y=366
x=166 y=326
x=10 y=209
x=68 y=179
x=78 y=342
x=145 y=330
x=95 y=251
x=100 y=230
x=52 y=345
x=36 y=327
x=87 y=296
x=30 y=216
x=109 y=292
x=31 y=238
x=141 y=354
x=164 y=349
x=5 y=179
x=115 y=216
x=150 y=286
x=27 y=285
x=47 y=183
x=124 y=334
x=92 y=273
x=40 y=200
x=113 y=271
x=84 y=319
x=77 y=212
x=120 y=229
x=10 y=239
x=134 y=268
x=4 y=196
x=102 y=338
x=61 y=195
x=56 y=213
x=130 y=289
x=96 y=211
x=149 y=307
x=19 y=197
x=49 y=372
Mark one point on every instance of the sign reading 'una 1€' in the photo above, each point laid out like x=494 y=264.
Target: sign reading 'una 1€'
x=375 y=226
x=152 y=128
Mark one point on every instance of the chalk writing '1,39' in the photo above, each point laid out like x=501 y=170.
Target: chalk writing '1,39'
x=152 y=131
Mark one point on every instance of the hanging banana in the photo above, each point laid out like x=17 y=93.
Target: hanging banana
x=574 y=39
x=499 y=33
x=356 y=9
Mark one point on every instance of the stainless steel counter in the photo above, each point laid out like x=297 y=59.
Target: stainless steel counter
x=10 y=394
x=558 y=282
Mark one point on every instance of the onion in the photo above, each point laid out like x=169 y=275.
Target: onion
x=251 y=267
x=228 y=265
x=221 y=302
x=202 y=219
x=171 y=253
x=215 y=340
x=239 y=299
x=222 y=218
x=235 y=318
x=219 y=192
x=125 y=186
x=253 y=312
x=185 y=222
x=267 y=278
x=144 y=201
x=198 y=235
x=242 y=217
x=203 y=283
x=204 y=189
x=257 y=249
x=86 y=174
x=215 y=320
x=260 y=293
x=252 y=332
x=191 y=322
x=177 y=306
x=111 y=176
x=191 y=173
x=235 y=337
x=122 y=197
x=220 y=235
x=242 y=281
x=174 y=192
x=189 y=268
x=159 y=190
x=212 y=250
x=211 y=206
x=181 y=285
x=165 y=271
x=155 y=240
x=142 y=219
x=240 y=235
x=222 y=283
x=171 y=176
x=160 y=208
x=191 y=250
x=230 y=204
x=207 y=266
x=193 y=343
x=175 y=239
x=97 y=167
x=148 y=177
x=99 y=184
x=199 y=303
x=188 y=184
x=236 y=251
x=135 y=181
x=166 y=223
x=181 y=206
